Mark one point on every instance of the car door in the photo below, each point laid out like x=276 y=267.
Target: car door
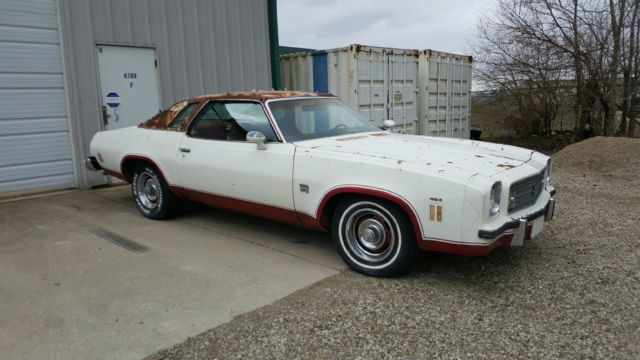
x=218 y=166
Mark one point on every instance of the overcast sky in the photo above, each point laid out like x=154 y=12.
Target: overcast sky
x=443 y=25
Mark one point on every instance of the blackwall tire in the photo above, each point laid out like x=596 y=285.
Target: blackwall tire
x=151 y=194
x=373 y=236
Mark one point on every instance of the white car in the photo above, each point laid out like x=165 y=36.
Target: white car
x=310 y=160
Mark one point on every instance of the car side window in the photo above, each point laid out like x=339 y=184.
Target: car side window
x=182 y=116
x=231 y=121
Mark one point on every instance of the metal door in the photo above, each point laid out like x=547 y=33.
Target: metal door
x=445 y=88
x=386 y=83
x=238 y=170
x=128 y=84
x=402 y=88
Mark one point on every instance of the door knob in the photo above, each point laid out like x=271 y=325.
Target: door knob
x=105 y=115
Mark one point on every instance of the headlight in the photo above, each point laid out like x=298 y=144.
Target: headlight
x=494 y=199
x=547 y=176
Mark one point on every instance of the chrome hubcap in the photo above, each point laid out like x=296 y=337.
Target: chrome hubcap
x=148 y=190
x=369 y=235
x=372 y=234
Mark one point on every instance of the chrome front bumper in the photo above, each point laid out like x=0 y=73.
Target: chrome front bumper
x=520 y=224
x=520 y=233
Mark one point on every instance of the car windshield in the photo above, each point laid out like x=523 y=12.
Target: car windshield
x=304 y=119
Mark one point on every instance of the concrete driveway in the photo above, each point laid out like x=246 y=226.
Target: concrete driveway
x=83 y=275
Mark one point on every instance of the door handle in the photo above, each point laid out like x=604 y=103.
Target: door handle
x=185 y=150
x=105 y=116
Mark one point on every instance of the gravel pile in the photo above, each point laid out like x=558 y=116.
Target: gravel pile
x=572 y=292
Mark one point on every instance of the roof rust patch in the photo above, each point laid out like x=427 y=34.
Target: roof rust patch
x=261 y=96
x=380 y=134
x=162 y=119
x=506 y=166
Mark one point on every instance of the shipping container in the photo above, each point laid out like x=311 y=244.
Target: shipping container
x=425 y=92
x=296 y=71
x=445 y=94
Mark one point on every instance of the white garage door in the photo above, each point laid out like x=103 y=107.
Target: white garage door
x=35 y=145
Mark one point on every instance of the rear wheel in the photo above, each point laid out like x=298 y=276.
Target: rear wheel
x=151 y=194
x=373 y=236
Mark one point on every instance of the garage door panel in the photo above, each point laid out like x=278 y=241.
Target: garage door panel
x=50 y=182
x=32 y=126
x=38 y=170
x=27 y=149
x=30 y=7
x=31 y=81
x=19 y=104
x=41 y=14
x=30 y=58
x=21 y=34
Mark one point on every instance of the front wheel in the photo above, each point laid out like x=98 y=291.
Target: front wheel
x=374 y=237
x=152 y=196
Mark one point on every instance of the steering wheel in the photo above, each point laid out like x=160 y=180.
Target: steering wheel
x=339 y=126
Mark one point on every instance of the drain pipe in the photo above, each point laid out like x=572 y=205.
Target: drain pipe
x=274 y=45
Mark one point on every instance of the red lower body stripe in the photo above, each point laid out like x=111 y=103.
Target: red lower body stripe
x=296 y=218
x=248 y=207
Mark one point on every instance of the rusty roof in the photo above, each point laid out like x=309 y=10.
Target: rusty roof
x=259 y=95
x=164 y=118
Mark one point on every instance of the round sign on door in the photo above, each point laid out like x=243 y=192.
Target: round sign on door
x=112 y=99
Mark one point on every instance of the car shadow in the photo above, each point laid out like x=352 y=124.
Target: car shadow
x=313 y=246
x=297 y=235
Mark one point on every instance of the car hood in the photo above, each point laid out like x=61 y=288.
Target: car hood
x=475 y=157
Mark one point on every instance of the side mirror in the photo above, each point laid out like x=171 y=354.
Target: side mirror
x=388 y=124
x=258 y=138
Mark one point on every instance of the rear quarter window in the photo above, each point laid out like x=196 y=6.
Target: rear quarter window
x=182 y=116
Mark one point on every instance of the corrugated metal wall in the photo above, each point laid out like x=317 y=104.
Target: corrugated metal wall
x=202 y=46
x=35 y=150
x=297 y=71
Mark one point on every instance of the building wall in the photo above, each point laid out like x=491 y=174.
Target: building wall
x=35 y=141
x=202 y=46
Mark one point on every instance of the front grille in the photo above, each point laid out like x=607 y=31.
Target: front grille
x=525 y=192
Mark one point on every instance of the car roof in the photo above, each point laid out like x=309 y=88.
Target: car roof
x=164 y=118
x=261 y=96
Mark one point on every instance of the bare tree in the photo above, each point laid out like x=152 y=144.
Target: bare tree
x=528 y=71
x=595 y=41
x=635 y=75
x=630 y=63
x=614 y=62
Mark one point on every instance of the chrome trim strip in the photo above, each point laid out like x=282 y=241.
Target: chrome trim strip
x=550 y=209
